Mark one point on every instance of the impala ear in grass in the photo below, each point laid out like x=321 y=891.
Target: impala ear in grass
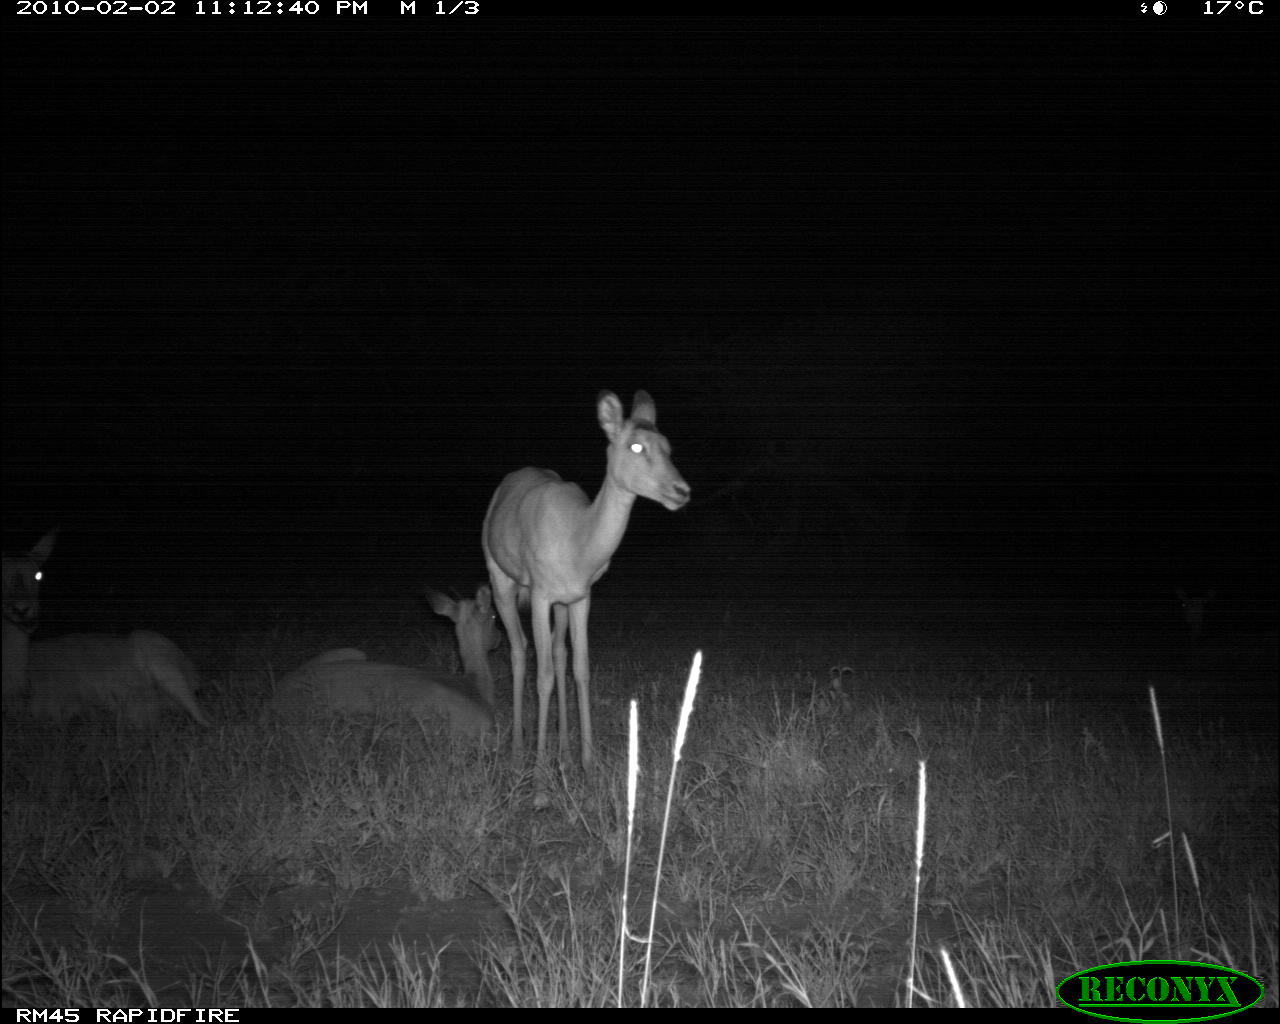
x=344 y=681
x=135 y=679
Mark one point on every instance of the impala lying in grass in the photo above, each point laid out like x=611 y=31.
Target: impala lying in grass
x=134 y=678
x=344 y=680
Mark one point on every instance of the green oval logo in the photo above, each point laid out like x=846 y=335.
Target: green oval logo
x=1163 y=990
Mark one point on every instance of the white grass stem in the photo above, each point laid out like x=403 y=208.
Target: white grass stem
x=1168 y=812
x=915 y=903
x=682 y=728
x=633 y=772
x=956 y=991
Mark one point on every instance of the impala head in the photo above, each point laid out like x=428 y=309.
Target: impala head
x=476 y=628
x=22 y=584
x=1193 y=609
x=483 y=619
x=639 y=456
x=474 y=621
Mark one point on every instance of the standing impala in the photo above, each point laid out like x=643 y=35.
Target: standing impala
x=545 y=541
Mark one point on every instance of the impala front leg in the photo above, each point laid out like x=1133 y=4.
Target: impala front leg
x=562 y=666
x=578 y=614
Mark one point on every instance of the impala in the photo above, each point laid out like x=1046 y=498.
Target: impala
x=546 y=542
x=134 y=677
x=1193 y=609
x=344 y=680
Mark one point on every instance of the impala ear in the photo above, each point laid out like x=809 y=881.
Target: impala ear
x=642 y=407
x=43 y=548
x=440 y=604
x=609 y=412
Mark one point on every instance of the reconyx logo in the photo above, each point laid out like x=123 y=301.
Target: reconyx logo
x=1161 y=990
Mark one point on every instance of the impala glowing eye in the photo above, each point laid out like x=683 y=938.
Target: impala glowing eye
x=39 y=576
x=636 y=448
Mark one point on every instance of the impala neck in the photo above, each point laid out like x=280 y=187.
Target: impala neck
x=604 y=526
x=475 y=662
x=17 y=646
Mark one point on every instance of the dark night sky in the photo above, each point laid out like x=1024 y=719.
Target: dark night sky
x=926 y=305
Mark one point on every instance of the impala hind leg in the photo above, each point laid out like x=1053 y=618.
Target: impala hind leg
x=505 y=597
x=542 y=644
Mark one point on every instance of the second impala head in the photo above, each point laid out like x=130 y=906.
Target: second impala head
x=641 y=456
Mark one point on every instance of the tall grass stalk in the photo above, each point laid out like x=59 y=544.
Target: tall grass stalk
x=956 y=990
x=633 y=773
x=915 y=901
x=1168 y=811
x=682 y=728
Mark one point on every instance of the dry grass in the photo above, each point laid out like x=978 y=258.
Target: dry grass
x=782 y=870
